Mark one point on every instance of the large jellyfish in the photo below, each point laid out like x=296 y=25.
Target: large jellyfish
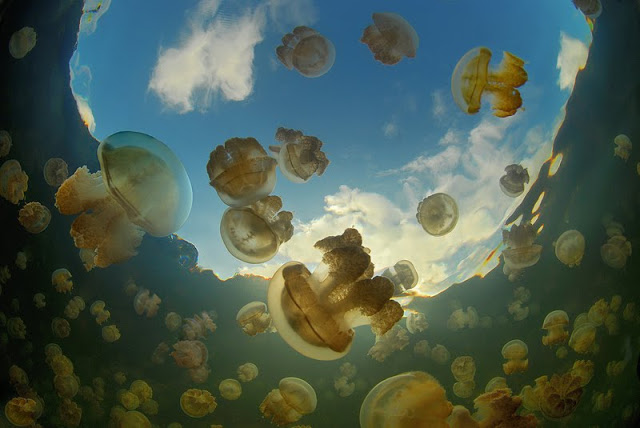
x=254 y=233
x=13 y=181
x=299 y=156
x=512 y=183
x=569 y=248
x=390 y=38
x=241 y=171
x=521 y=252
x=315 y=313
x=308 y=51
x=472 y=77
x=403 y=275
x=438 y=214
x=21 y=42
x=22 y=412
x=293 y=399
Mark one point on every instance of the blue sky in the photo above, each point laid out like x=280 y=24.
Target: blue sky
x=195 y=73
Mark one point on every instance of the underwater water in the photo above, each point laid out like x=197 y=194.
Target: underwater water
x=393 y=134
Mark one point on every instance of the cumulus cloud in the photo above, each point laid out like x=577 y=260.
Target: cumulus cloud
x=571 y=58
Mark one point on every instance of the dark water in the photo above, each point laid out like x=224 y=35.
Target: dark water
x=37 y=108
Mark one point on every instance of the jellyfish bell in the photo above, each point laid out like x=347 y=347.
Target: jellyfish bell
x=5 y=143
x=299 y=156
x=616 y=251
x=403 y=275
x=34 y=217
x=55 y=171
x=390 y=38
x=569 y=248
x=308 y=51
x=472 y=78
x=22 y=42
x=623 y=147
x=555 y=323
x=512 y=183
x=230 y=389
x=293 y=399
x=253 y=318
x=438 y=214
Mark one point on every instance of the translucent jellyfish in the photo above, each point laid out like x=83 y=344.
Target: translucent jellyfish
x=247 y=372
x=515 y=351
x=623 y=147
x=602 y=401
x=416 y=322
x=616 y=302
x=598 y=312
x=584 y=369
x=39 y=300
x=612 y=325
x=149 y=407
x=590 y=8
x=73 y=308
x=21 y=260
x=512 y=183
x=615 y=368
x=197 y=403
x=299 y=156
x=146 y=304
x=21 y=42
x=521 y=252
x=438 y=214
x=34 y=217
x=440 y=354
x=390 y=38
x=472 y=78
x=629 y=312
x=190 y=354
x=253 y=318
x=66 y=386
x=570 y=248
x=69 y=412
x=464 y=389
x=110 y=333
x=499 y=409
x=241 y=171
x=583 y=338
x=17 y=376
x=13 y=181
x=558 y=396
x=555 y=323
x=159 y=354
x=61 y=280
x=562 y=352
x=133 y=418
x=22 y=412
x=5 y=143
x=308 y=51
x=348 y=370
x=315 y=313
x=55 y=171
x=460 y=319
x=120 y=378
x=197 y=326
x=421 y=348
x=16 y=328
x=293 y=399
x=496 y=383
x=343 y=387
x=255 y=232
x=616 y=251
x=60 y=327
x=463 y=368
x=97 y=310
x=230 y=389
x=141 y=389
x=516 y=309
x=403 y=275
x=413 y=399
x=386 y=344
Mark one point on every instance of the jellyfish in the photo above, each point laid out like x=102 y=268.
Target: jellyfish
x=590 y=8
x=521 y=252
x=598 y=312
x=463 y=368
x=623 y=147
x=460 y=319
x=308 y=51
x=230 y=389
x=562 y=352
x=5 y=143
x=407 y=399
x=66 y=386
x=602 y=401
x=52 y=350
x=416 y=322
x=616 y=302
x=21 y=42
x=421 y=348
x=159 y=354
x=386 y=344
x=403 y=275
x=464 y=389
x=134 y=418
x=120 y=378
x=555 y=323
x=110 y=333
x=17 y=376
x=390 y=38
x=16 y=328
x=197 y=326
x=498 y=408
x=190 y=353
x=438 y=214
x=73 y=308
x=55 y=171
x=496 y=383
x=61 y=280
x=22 y=412
x=616 y=251
x=440 y=354
x=583 y=338
x=197 y=403
x=146 y=304
x=128 y=399
x=615 y=368
x=97 y=310
x=21 y=260
x=512 y=183
x=253 y=318
x=149 y=407
x=343 y=387
x=173 y=321
x=247 y=372
x=13 y=181
x=519 y=313
x=241 y=171
x=61 y=364
x=69 y=413
x=472 y=77
x=515 y=351
x=570 y=248
x=60 y=327
x=558 y=396
x=39 y=300
x=629 y=312
x=255 y=232
x=315 y=313
x=299 y=156
x=612 y=325
x=293 y=399
x=34 y=217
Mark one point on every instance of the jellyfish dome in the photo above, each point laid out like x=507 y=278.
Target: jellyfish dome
x=403 y=275
x=13 y=181
x=438 y=214
x=230 y=389
x=55 y=172
x=34 y=217
x=299 y=156
x=148 y=181
x=21 y=42
x=569 y=248
x=390 y=38
x=307 y=51
x=253 y=318
x=293 y=399
x=512 y=183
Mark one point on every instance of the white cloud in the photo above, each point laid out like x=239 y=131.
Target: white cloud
x=439 y=109
x=86 y=114
x=214 y=58
x=451 y=137
x=571 y=58
x=390 y=129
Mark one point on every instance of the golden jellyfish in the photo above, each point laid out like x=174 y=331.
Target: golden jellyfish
x=66 y=385
x=110 y=333
x=316 y=313
x=61 y=280
x=421 y=348
x=413 y=399
x=558 y=396
x=343 y=387
x=61 y=365
x=583 y=338
x=254 y=233
x=515 y=351
x=34 y=217
x=22 y=42
x=39 y=300
x=623 y=147
x=616 y=302
x=569 y=248
x=555 y=323
x=293 y=399
x=230 y=389
x=403 y=275
x=615 y=368
x=172 y=321
x=308 y=51
x=253 y=318
x=612 y=325
x=438 y=214
x=149 y=407
x=190 y=354
x=521 y=252
x=512 y=183
x=616 y=251
x=472 y=78
x=134 y=419
x=69 y=413
x=247 y=372
x=52 y=350
x=146 y=303
x=390 y=38
x=17 y=376
x=598 y=312
x=298 y=155
x=416 y=322
x=590 y=8
x=5 y=143
x=197 y=403
x=16 y=328
x=13 y=181
x=629 y=312
x=463 y=368
x=581 y=318
x=129 y=400
x=55 y=172
x=440 y=354
x=73 y=308
x=197 y=326
x=396 y=339
x=496 y=383
x=21 y=412
x=464 y=389
x=241 y=171
x=120 y=378
x=498 y=408
x=562 y=352
x=21 y=260
x=60 y=327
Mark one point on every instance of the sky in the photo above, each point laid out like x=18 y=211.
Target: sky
x=195 y=73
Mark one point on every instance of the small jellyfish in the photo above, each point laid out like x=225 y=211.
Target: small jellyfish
x=348 y=370
x=623 y=147
x=559 y=396
x=60 y=327
x=254 y=233
x=22 y=412
x=146 y=304
x=110 y=333
x=133 y=418
x=13 y=181
x=293 y=399
x=583 y=338
x=416 y=322
x=463 y=368
x=197 y=326
x=55 y=171
x=464 y=389
x=616 y=251
x=499 y=408
x=141 y=389
x=602 y=401
x=197 y=403
x=515 y=351
x=61 y=280
x=562 y=352
x=521 y=252
x=66 y=386
x=396 y=339
x=39 y=300
x=555 y=323
x=343 y=387
x=598 y=312
x=21 y=42
x=390 y=38
x=299 y=156
x=570 y=248
x=34 y=217
x=308 y=51
x=440 y=354
x=149 y=407
x=21 y=260
x=616 y=302
x=421 y=348
x=5 y=143
x=584 y=369
x=172 y=321
x=247 y=372
x=241 y=171
x=16 y=328
x=472 y=78
x=403 y=275
x=230 y=389
x=253 y=318
x=590 y=8
x=512 y=183
x=438 y=214
x=190 y=354
x=496 y=383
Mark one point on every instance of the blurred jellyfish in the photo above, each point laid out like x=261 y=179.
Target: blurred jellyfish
x=348 y=370
x=629 y=312
x=255 y=232
x=512 y=183
x=584 y=369
x=463 y=368
x=21 y=260
x=21 y=42
x=416 y=322
x=421 y=348
x=440 y=354
x=60 y=327
x=197 y=403
x=390 y=38
x=110 y=333
x=464 y=389
x=472 y=77
x=197 y=326
x=146 y=304
x=159 y=354
x=590 y=8
x=583 y=338
x=55 y=171
x=39 y=300
x=16 y=328
x=616 y=302
x=172 y=321
x=616 y=251
x=562 y=352
x=5 y=143
x=496 y=383
x=499 y=408
x=343 y=387
x=293 y=399
x=299 y=156
x=13 y=181
x=61 y=280
x=386 y=344
x=555 y=323
x=438 y=214
x=570 y=248
x=307 y=51
x=558 y=396
x=460 y=319
x=521 y=252
x=34 y=217
x=230 y=389
x=515 y=351
x=253 y=318
x=623 y=147
x=403 y=275
x=598 y=312
x=190 y=354
x=602 y=401
x=187 y=253
x=247 y=372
